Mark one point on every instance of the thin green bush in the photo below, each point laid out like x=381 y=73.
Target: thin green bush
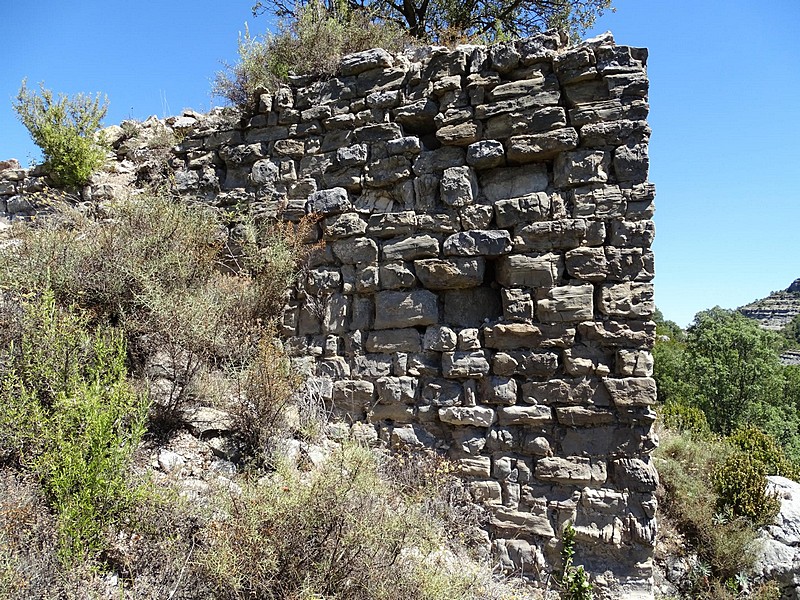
x=79 y=420
x=64 y=128
x=574 y=582
x=682 y=417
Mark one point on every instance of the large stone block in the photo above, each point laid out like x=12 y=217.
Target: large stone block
x=441 y=393
x=396 y=275
x=465 y=364
x=583 y=416
x=589 y=264
x=630 y=264
x=526 y=270
x=486 y=154
x=564 y=234
x=476 y=416
x=512 y=523
x=395 y=310
x=632 y=233
x=533 y=207
x=633 y=334
x=329 y=202
x=440 y=338
x=372 y=365
x=355 y=251
x=541 y=146
x=514 y=182
x=411 y=248
x=511 y=336
x=471 y=307
x=574 y=470
x=598 y=201
x=518 y=305
x=394 y=340
x=631 y=391
x=527 y=363
x=353 y=64
x=459 y=187
x=579 y=392
x=630 y=300
x=566 y=303
x=343 y=226
x=391 y=225
x=535 y=415
x=498 y=390
x=396 y=390
x=487 y=242
x=451 y=273
x=351 y=391
x=581 y=167
x=518 y=123
x=635 y=474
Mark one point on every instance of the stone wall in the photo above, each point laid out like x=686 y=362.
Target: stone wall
x=484 y=285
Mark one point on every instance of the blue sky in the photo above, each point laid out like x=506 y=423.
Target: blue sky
x=725 y=94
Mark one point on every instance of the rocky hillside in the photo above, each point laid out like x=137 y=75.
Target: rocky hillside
x=776 y=310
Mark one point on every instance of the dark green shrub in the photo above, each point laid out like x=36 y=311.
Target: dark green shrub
x=64 y=128
x=681 y=417
x=762 y=447
x=740 y=482
x=686 y=466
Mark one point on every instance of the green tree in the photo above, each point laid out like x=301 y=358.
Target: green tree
x=792 y=332
x=64 y=128
x=735 y=367
x=433 y=20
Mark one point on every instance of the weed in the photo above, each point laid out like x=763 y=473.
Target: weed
x=78 y=420
x=265 y=392
x=313 y=43
x=574 y=582
x=340 y=532
x=167 y=273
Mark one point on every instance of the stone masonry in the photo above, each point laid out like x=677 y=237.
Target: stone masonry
x=484 y=286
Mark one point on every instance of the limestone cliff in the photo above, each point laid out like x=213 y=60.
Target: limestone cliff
x=776 y=310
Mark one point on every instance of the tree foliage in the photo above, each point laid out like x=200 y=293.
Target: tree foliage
x=792 y=332
x=446 y=20
x=734 y=364
x=64 y=128
x=729 y=368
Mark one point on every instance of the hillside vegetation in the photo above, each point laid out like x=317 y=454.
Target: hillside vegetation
x=116 y=328
x=730 y=413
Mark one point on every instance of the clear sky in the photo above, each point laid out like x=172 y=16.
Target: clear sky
x=724 y=95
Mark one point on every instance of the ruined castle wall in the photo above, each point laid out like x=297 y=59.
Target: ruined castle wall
x=484 y=286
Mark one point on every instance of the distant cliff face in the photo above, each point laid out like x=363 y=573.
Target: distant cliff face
x=776 y=310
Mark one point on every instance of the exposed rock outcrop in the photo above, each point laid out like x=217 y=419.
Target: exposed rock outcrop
x=776 y=310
